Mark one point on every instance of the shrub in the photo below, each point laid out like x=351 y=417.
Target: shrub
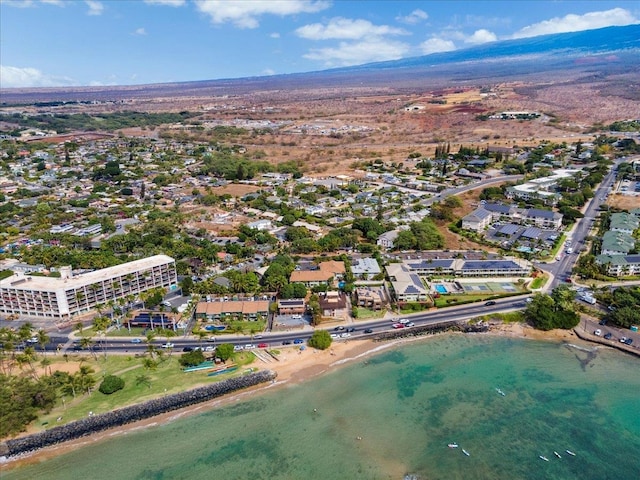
x=111 y=384
x=320 y=340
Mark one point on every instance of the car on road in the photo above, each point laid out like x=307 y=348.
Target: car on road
x=368 y=330
x=257 y=337
x=410 y=324
x=351 y=329
x=298 y=341
x=398 y=325
x=168 y=345
x=335 y=335
x=287 y=342
x=187 y=349
x=166 y=303
x=339 y=328
x=136 y=340
x=345 y=335
x=608 y=336
x=489 y=303
x=598 y=332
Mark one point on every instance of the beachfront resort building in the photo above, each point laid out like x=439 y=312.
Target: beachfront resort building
x=71 y=294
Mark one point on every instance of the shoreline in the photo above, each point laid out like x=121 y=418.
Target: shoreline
x=295 y=367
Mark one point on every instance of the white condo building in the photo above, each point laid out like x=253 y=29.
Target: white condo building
x=70 y=295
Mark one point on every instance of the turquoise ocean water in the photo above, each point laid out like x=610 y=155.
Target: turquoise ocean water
x=394 y=414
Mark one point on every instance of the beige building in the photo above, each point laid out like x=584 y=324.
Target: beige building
x=71 y=295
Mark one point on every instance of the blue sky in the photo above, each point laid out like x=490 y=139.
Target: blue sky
x=120 y=42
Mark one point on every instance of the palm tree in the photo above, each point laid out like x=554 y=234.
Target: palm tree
x=43 y=339
x=101 y=324
x=144 y=379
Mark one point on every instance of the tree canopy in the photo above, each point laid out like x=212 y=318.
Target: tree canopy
x=547 y=312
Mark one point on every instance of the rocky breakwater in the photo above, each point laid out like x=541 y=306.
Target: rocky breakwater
x=133 y=413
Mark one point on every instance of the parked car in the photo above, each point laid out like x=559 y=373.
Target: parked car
x=209 y=348
x=398 y=325
x=608 y=336
x=187 y=349
x=351 y=329
x=249 y=346
x=598 y=332
x=263 y=345
x=298 y=341
x=287 y=342
x=623 y=340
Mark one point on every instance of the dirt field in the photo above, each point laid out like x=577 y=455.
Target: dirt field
x=235 y=189
x=623 y=202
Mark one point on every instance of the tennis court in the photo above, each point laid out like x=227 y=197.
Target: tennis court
x=490 y=287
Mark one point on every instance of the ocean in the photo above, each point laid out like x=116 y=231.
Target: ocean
x=393 y=414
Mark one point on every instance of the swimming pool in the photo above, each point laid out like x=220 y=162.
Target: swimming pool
x=441 y=289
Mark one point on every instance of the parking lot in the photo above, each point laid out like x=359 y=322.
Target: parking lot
x=628 y=187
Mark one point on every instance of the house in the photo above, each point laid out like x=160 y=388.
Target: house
x=224 y=311
x=368 y=297
x=617 y=243
x=406 y=285
x=260 y=225
x=624 y=222
x=365 y=268
x=620 y=265
x=477 y=220
x=543 y=218
x=327 y=271
x=333 y=304
x=291 y=306
x=386 y=239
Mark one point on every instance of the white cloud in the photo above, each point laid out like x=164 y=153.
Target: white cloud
x=274 y=35
x=95 y=8
x=23 y=77
x=346 y=29
x=435 y=45
x=244 y=14
x=356 y=53
x=414 y=17
x=576 y=23
x=481 y=36
x=268 y=71
x=31 y=3
x=169 y=3
x=140 y=31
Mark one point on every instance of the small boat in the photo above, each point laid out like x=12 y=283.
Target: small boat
x=557 y=454
x=465 y=452
x=569 y=452
x=500 y=392
x=543 y=458
x=452 y=445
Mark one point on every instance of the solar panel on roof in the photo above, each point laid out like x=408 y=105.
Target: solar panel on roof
x=532 y=232
x=490 y=265
x=509 y=229
x=411 y=289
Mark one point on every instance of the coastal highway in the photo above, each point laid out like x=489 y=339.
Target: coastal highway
x=272 y=339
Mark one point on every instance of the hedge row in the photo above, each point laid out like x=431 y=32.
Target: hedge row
x=133 y=413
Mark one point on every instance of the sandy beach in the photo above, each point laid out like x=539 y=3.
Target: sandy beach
x=294 y=366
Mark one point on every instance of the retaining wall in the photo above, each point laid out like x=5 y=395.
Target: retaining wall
x=133 y=413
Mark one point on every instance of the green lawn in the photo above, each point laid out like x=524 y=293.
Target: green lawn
x=539 y=282
x=449 y=300
x=365 y=313
x=140 y=384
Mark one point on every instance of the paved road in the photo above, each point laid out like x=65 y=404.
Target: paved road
x=434 y=317
x=561 y=270
x=482 y=183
